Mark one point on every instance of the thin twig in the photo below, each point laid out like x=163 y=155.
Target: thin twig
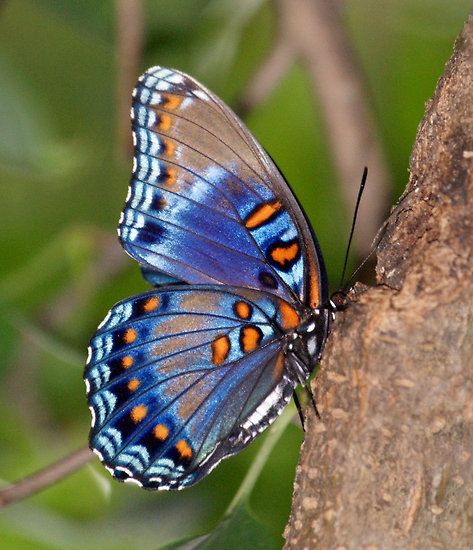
x=45 y=477
x=108 y=261
x=316 y=29
x=268 y=75
x=130 y=25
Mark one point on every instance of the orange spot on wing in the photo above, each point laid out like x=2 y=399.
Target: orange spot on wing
x=314 y=291
x=171 y=176
x=278 y=369
x=243 y=310
x=161 y=204
x=151 y=304
x=172 y=101
x=262 y=214
x=133 y=384
x=289 y=316
x=283 y=255
x=220 y=349
x=138 y=413
x=185 y=452
x=169 y=148
x=250 y=337
x=130 y=335
x=127 y=361
x=164 y=122
x=161 y=432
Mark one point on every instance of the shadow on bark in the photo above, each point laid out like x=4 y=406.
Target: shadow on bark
x=390 y=465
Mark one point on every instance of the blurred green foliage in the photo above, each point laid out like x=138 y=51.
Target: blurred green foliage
x=63 y=185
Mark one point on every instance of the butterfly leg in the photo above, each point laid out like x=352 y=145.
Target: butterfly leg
x=299 y=408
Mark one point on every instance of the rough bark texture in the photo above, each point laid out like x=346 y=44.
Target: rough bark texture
x=390 y=465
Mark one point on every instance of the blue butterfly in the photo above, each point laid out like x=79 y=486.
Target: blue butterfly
x=189 y=373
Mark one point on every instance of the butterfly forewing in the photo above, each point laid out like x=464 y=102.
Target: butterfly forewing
x=205 y=197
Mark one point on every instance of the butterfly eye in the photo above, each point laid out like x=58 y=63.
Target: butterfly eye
x=339 y=300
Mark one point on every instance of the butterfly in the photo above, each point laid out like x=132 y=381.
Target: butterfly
x=189 y=373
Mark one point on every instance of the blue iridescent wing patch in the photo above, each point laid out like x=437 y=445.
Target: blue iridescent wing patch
x=180 y=378
x=205 y=197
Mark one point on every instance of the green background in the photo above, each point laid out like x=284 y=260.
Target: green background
x=63 y=184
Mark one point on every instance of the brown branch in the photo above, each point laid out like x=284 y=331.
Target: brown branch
x=391 y=463
x=316 y=28
x=45 y=478
x=130 y=24
x=269 y=73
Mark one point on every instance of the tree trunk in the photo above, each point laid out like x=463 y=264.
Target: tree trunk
x=390 y=464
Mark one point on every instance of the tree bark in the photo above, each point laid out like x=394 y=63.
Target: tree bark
x=390 y=463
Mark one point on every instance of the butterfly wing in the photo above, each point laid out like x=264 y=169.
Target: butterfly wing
x=158 y=278
x=206 y=205
x=181 y=377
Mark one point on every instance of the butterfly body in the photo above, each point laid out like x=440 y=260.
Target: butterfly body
x=189 y=373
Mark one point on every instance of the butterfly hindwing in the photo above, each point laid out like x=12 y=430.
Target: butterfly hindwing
x=183 y=376
x=205 y=197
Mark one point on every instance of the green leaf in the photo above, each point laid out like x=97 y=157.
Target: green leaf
x=240 y=530
x=31 y=149
x=24 y=121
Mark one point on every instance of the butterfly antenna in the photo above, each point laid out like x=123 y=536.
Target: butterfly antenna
x=374 y=246
x=353 y=223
